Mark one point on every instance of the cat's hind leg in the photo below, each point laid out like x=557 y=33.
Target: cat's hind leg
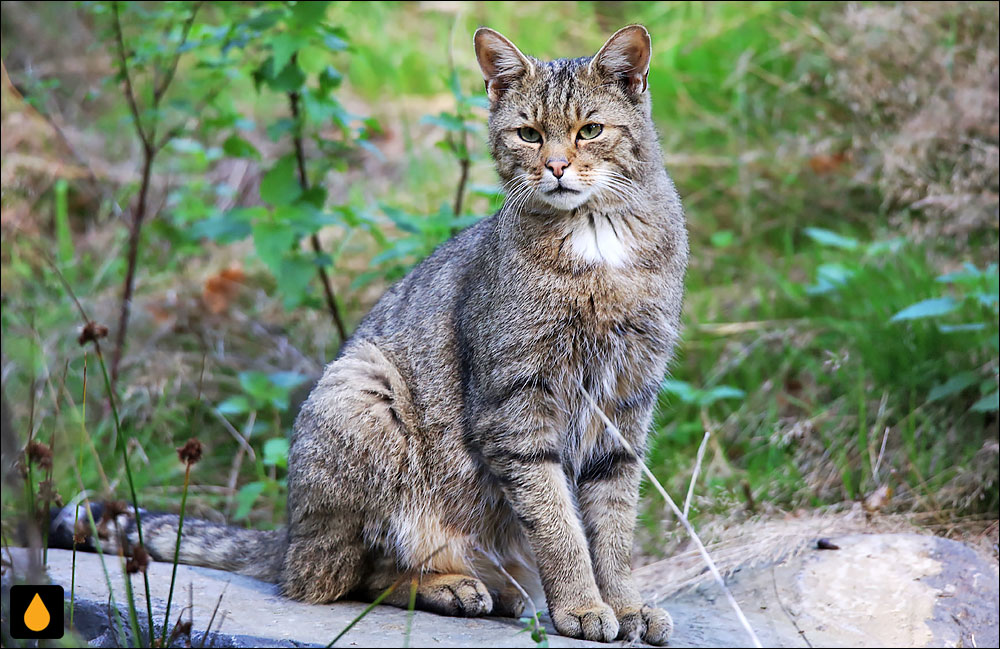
x=439 y=592
x=348 y=464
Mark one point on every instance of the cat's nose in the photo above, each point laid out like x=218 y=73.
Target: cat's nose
x=556 y=166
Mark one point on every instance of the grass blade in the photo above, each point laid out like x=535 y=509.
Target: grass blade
x=678 y=513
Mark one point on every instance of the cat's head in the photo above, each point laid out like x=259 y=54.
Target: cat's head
x=569 y=131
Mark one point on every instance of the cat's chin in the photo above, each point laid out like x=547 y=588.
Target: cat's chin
x=564 y=200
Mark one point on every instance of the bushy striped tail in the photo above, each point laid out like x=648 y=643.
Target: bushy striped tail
x=255 y=553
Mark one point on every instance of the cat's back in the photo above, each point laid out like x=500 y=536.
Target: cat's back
x=428 y=293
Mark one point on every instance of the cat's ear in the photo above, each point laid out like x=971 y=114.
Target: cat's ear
x=626 y=57
x=500 y=61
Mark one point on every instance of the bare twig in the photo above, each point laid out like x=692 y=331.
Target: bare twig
x=150 y=147
x=463 y=162
x=300 y=159
x=161 y=88
x=147 y=141
x=610 y=426
x=461 y=150
x=697 y=470
x=135 y=230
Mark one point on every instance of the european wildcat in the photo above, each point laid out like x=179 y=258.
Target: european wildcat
x=451 y=434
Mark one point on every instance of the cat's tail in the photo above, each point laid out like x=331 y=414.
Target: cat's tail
x=255 y=553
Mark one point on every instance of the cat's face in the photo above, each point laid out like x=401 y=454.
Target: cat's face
x=571 y=131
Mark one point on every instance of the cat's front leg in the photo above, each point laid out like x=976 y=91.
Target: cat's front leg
x=608 y=492
x=537 y=490
x=523 y=456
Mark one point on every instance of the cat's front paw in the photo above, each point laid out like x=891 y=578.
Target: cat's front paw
x=648 y=623
x=595 y=621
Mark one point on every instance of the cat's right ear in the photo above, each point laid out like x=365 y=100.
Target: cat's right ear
x=500 y=61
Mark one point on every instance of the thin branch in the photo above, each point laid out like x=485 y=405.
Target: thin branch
x=462 y=180
x=150 y=147
x=300 y=159
x=610 y=426
x=135 y=232
x=161 y=88
x=461 y=152
x=127 y=78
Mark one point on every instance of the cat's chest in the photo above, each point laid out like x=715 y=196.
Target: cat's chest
x=598 y=239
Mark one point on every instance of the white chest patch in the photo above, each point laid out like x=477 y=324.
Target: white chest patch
x=595 y=240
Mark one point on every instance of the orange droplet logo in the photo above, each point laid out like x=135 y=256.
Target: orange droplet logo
x=36 y=617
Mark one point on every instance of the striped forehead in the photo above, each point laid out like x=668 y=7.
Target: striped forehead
x=559 y=91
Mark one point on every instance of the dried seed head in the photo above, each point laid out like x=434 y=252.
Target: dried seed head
x=92 y=332
x=47 y=493
x=40 y=454
x=138 y=562
x=141 y=557
x=112 y=509
x=81 y=532
x=191 y=452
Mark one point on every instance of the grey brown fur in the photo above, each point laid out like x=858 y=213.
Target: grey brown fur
x=451 y=434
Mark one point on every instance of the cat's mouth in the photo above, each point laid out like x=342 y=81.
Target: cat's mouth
x=562 y=190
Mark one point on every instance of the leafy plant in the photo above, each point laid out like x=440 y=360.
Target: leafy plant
x=264 y=399
x=974 y=300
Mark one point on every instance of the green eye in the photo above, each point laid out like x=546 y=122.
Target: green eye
x=590 y=131
x=529 y=134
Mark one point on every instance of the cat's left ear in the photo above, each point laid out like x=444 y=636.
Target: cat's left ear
x=626 y=57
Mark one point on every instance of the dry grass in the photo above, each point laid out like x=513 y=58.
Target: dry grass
x=922 y=78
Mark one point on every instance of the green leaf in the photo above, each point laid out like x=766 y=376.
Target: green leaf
x=309 y=13
x=329 y=79
x=280 y=185
x=834 y=273
x=681 y=389
x=952 y=386
x=276 y=452
x=272 y=241
x=969 y=273
x=449 y=122
x=237 y=147
x=257 y=385
x=830 y=277
x=723 y=238
x=959 y=328
x=246 y=497
x=313 y=60
x=235 y=405
x=989 y=403
x=293 y=279
x=720 y=392
x=883 y=247
x=334 y=43
x=265 y=20
x=926 y=309
x=289 y=79
x=287 y=380
x=403 y=221
x=832 y=239
x=283 y=48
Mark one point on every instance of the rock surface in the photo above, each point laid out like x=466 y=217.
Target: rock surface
x=900 y=590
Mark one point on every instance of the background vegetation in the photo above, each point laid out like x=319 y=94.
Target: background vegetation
x=255 y=175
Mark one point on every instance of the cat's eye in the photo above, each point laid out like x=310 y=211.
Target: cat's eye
x=590 y=131
x=529 y=134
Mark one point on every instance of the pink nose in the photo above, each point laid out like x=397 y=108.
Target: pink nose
x=556 y=166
